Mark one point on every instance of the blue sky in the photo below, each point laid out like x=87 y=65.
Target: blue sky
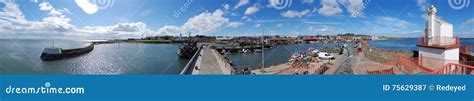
x=92 y=19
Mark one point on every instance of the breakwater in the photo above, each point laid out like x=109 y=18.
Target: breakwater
x=50 y=54
x=382 y=55
x=467 y=59
x=207 y=61
x=238 y=48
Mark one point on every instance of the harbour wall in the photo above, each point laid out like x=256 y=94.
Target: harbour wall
x=188 y=69
x=467 y=59
x=382 y=55
x=65 y=53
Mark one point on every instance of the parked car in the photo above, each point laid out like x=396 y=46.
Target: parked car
x=325 y=56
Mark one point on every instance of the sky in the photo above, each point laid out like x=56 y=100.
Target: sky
x=109 y=19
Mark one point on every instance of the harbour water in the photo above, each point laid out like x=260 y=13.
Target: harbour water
x=21 y=56
x=409 y=43
x=281 y=53
x=277 y=55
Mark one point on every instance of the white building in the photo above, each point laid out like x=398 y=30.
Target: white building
x=438 y=47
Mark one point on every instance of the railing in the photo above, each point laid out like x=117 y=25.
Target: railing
x=454 y=69
x=430 y=65
x=440 y=41
x=384 y=71
x=190 y=66
x=224 y=60
x=465 y=49
x=408 y=64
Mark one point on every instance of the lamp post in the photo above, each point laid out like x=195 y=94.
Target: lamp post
x=263 y=51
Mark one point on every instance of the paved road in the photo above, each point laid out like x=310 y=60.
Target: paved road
x=346 y=65
x=210 y=63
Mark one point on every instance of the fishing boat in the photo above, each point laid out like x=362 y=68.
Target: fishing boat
x=188 y=48
x=55 y=53
x=246 y=50
x=257 y=50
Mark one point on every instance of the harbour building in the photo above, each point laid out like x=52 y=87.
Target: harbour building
x=439 y=50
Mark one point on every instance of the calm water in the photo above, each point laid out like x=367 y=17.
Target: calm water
x=409 y=43
x=22 y=56
x=277 y=55
x=281 y=53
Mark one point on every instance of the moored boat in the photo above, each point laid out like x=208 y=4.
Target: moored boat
x=246 y=50
x=55 y=53
x=188 y=48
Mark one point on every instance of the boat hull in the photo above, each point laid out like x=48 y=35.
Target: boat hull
x=186 y=53
x=67 y=53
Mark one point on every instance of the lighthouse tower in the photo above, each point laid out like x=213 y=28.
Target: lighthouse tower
x=438 y=47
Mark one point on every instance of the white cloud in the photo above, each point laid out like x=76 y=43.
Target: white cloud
x=138 y=29
x=87 y=6
x=293 y=14
x=422 y=4
x=246 y=18
x=251 y=10
x=279 y=25
x=257 y=25
x=314 y=10
x=57 y=25
x=45 y=6
x=129 y=27
x=329 y=8
x=321 y=29
x=11 y=10
x=392 y=22
x=307 y=1
x=241 y=3
x=226 y=6
x=170 y=30
x=206 y=22
x=467 y=23
x=201 y=24
x=234 y=24
x=354 y=7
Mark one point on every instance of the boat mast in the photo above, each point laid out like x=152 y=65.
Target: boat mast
x=263 y=51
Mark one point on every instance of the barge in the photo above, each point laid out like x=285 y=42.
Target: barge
x=188 y=48
x=53 y=53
